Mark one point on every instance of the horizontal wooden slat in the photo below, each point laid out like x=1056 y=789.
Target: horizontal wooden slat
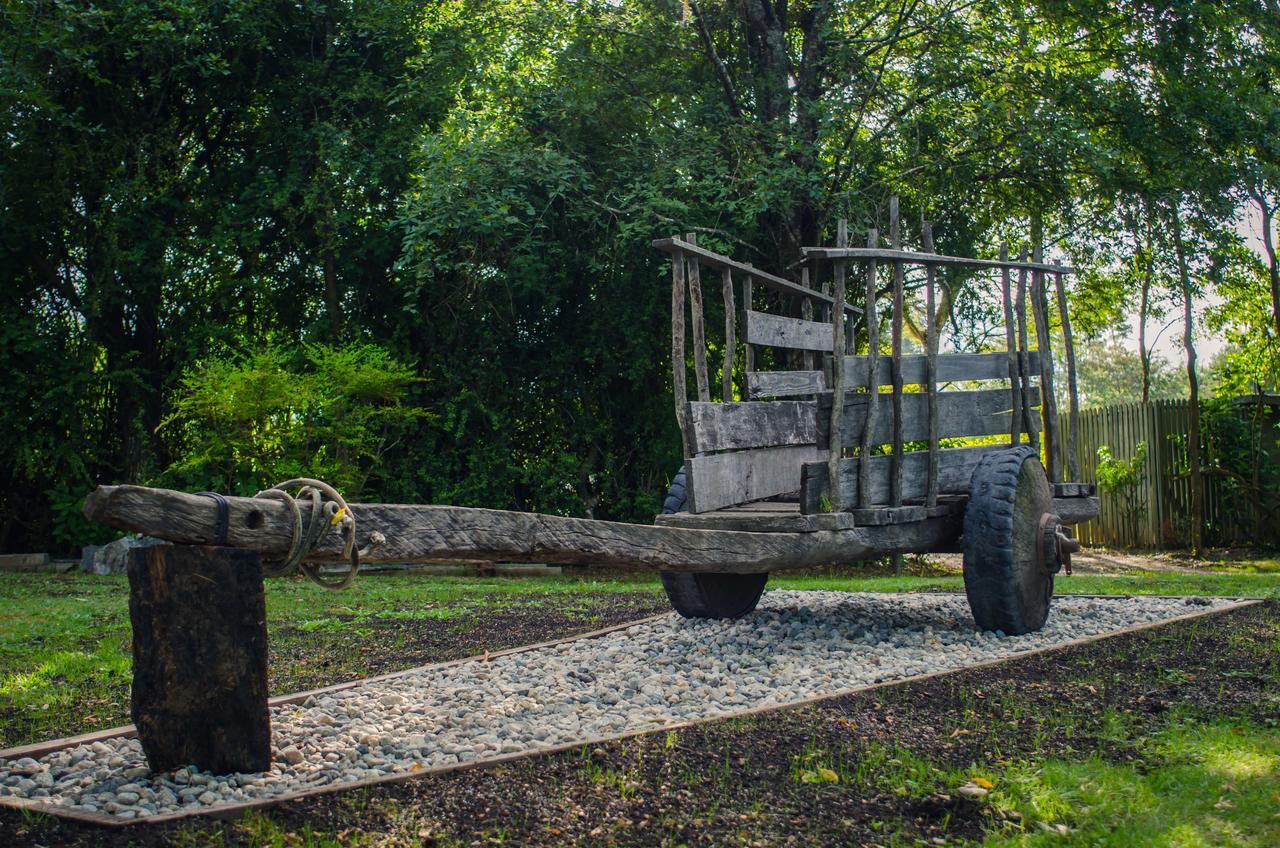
x=757 y=424
x=952 y=368
x=1077 y=510
x=745 y=519
x=1074 y=490
x=955 y=468
x=727 y=479
x=985 y=412
x=784 y=383
x=715 y=260
x=795 y=333
x=912 y=257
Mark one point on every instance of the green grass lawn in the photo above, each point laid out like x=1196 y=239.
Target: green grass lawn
x=64 y=640
x=1197 y=784
x=65 y=666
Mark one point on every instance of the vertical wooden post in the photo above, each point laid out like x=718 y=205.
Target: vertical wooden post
x=931 y=364
x=749 y=352
x=730 y=345
x=200 y=658
x=1011 y=345
x=806 y=312
x=1024 y=345
x=835 y=450
x=699 y=330
x=895 y=358
x=873 y=378
x=1073 y=392
x=679 y=377
x=1049 y=405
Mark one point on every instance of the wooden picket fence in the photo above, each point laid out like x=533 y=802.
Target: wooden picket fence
x=1156 y=513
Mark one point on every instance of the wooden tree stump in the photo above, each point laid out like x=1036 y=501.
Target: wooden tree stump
x=200 y=658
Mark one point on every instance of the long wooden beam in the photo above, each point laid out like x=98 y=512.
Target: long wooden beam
x=715 y=260
x=416 y=534
x=918 y=258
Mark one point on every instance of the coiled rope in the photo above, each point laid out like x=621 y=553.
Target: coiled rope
x=324 y=517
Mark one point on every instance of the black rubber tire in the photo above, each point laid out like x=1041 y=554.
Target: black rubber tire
x=707 y=595
x=1008 y=589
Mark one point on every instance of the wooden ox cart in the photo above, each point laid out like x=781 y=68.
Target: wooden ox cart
x=822 y=448
x=946 y=459
x=806 y=460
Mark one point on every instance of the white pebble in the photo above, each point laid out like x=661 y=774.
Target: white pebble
x=796 y=646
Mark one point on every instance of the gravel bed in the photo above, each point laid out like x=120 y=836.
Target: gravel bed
x=797 y=645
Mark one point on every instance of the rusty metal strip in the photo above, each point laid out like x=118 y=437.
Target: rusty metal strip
x=234 y=810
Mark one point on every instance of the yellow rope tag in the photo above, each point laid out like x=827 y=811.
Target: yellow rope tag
x=338 y=516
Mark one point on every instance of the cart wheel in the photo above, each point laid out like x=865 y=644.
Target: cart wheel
x=707 y=595
x=1013 y=543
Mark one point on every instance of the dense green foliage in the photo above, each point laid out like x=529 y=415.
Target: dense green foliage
x=191 y=189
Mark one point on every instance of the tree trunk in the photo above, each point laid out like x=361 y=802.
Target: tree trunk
x=1268 y=242
x=1144 y=307
x=1196 y=535
x=332 y=301
x=1143 y=353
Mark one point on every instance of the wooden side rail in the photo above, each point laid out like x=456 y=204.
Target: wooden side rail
x=984 y=412
x=950 y=368
x=759 y=424
x=955 y=468
x=779 y=384
x=795 y=333
x=915 y=257
x=675 y=245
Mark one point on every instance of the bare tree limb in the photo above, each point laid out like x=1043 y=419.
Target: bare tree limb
x=722 y=73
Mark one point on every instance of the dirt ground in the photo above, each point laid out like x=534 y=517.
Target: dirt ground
x=745 y=781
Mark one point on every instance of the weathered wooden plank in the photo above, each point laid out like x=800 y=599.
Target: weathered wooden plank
x=754 y=424
x=955 y=468
x=873 y=378
x=699 y=329
x=749 y=351
x=949 y=368
x=679 y=388
x=925 y=258
x=931 y=368
x=1077 y=510
x=1074 y=490
x=730 y=341
x=984 y=412
x=761 y=384
x=675 y=245
x=452 y=534
x=895 y=357
x=199 y=623
x=779 y=331
x=726 y=479
x=880 y=515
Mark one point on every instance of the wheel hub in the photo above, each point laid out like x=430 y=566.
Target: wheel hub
x=1053 y=554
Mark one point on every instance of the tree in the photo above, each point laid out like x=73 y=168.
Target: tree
x=176 y=178
x=1111 y=373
